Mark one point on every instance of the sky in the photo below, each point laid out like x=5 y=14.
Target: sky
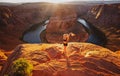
x=53 y=1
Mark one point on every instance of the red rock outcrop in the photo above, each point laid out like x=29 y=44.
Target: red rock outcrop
x=3 y=58
x=64 y=20
x=108 y=22
x=16 y=19
x=48 y=60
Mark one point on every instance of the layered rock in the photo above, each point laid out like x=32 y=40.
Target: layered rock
x=16 y=19
x=64 y=20
x=85 y=60
x=107 y=21
x=3 y=59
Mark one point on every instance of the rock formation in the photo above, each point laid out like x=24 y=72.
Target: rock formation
x=16 y=19
x=3 y=58
x=86 y=60
x=108 y=22
x=64 y=20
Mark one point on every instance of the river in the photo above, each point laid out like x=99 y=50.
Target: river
x=34 y=36
x=95 y=35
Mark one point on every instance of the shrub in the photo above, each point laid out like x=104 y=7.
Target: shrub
x=21 y=67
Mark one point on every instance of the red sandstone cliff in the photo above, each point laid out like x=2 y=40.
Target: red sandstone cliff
x=16 y=19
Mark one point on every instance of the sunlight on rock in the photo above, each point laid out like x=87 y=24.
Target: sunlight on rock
x=77 y=38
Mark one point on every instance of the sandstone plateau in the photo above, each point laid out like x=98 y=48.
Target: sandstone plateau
x=86 y=60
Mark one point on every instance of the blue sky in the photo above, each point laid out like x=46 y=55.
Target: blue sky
x=54 y=1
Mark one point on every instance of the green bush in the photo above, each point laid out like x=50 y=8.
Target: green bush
x=21 y=67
